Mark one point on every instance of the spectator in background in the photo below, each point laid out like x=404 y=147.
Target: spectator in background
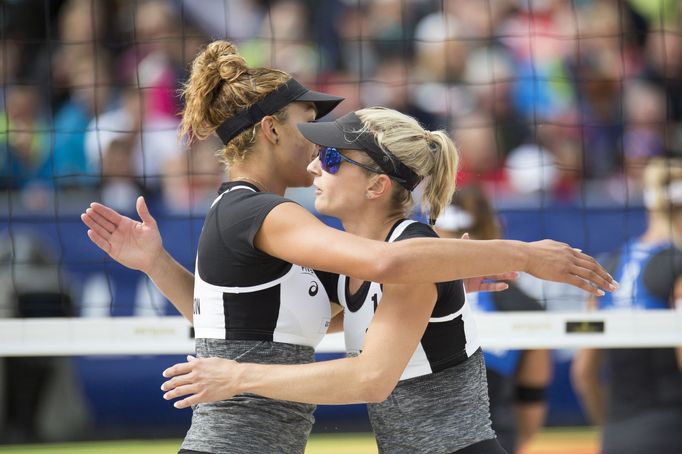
x=119 y=186
x=24 y=154
x=156 y=62
x=392 y=86
x=285 y=42
x=9 y=67
x=440 y=56
x=190 y=179
x=84 y=69
x=664 y=58
x=639 y=406
x=531 y=173
x=238 y=19
x=481 y=158
x=489 y=75
x=645 y=123
x=154 y=138
x=517 y=379
x=90 y=94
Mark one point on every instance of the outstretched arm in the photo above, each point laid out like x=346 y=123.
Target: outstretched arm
x=138 y=245
x=291 y=233
x=391 y=340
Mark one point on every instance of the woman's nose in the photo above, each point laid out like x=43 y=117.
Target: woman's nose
x=314 y=167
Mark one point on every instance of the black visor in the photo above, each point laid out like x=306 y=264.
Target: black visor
x=283 y=95
x=348 y=132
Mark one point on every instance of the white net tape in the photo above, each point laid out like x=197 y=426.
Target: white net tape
x=172 y=335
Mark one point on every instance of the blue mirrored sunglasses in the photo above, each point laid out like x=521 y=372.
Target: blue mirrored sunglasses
x=331 y=159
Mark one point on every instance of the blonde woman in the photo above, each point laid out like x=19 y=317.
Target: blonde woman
x=255 y=295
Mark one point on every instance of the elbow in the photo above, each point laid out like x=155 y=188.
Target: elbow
x=386 y=267
x=376 y=387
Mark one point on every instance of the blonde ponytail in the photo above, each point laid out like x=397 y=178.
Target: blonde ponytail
x=440 y=186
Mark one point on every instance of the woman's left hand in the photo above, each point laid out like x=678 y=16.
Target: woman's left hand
x=202 y=380
x=489 y=283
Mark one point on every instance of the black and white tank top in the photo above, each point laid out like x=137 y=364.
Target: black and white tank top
x=450 y=337
x=243 y=293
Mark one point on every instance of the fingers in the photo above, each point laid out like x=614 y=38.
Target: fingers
x=583 y=284
x=493 y=286
x=111 y=215
x=595 y=274
x=189 y=401
x=465 y=236
x=99 y=241
x=177 y=369
x=510 y=276
x=143 y=211
x=588 y=262
x=95 y=228
x=99 y=220
x=183 y=390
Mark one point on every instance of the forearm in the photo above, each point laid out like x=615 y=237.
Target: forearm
x=438 y=260
x=342 y=381
x=175 y=282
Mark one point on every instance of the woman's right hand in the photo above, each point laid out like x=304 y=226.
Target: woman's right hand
x=201 y=380
x=137 y=245
x=559 y=262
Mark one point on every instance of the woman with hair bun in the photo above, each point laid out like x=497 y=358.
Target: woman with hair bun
x=258 y=292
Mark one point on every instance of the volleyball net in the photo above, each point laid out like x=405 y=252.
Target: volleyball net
x=556 y=108
x=173 y=335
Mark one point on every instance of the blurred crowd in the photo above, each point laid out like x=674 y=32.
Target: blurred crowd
x=563 y=98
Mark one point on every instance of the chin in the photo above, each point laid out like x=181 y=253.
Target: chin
x=321 y=207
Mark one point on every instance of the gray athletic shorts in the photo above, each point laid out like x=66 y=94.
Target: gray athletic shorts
x=437 y=413
x=248 y=423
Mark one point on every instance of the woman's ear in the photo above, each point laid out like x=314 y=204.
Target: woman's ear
x=268 y=126
x=378 y=186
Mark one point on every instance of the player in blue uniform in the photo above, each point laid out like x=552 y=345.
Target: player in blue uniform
x=640 y=403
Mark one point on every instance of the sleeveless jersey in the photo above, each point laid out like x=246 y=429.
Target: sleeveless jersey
x=252 y=307
x=241 y=293
x=450 y=337
x=440 y=404
x=628 y=267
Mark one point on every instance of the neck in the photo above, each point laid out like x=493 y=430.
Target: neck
x=263 y=179
x=659 y=229
x=373 y=223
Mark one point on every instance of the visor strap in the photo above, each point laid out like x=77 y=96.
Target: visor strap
x=388 y=162
x=271 y=103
